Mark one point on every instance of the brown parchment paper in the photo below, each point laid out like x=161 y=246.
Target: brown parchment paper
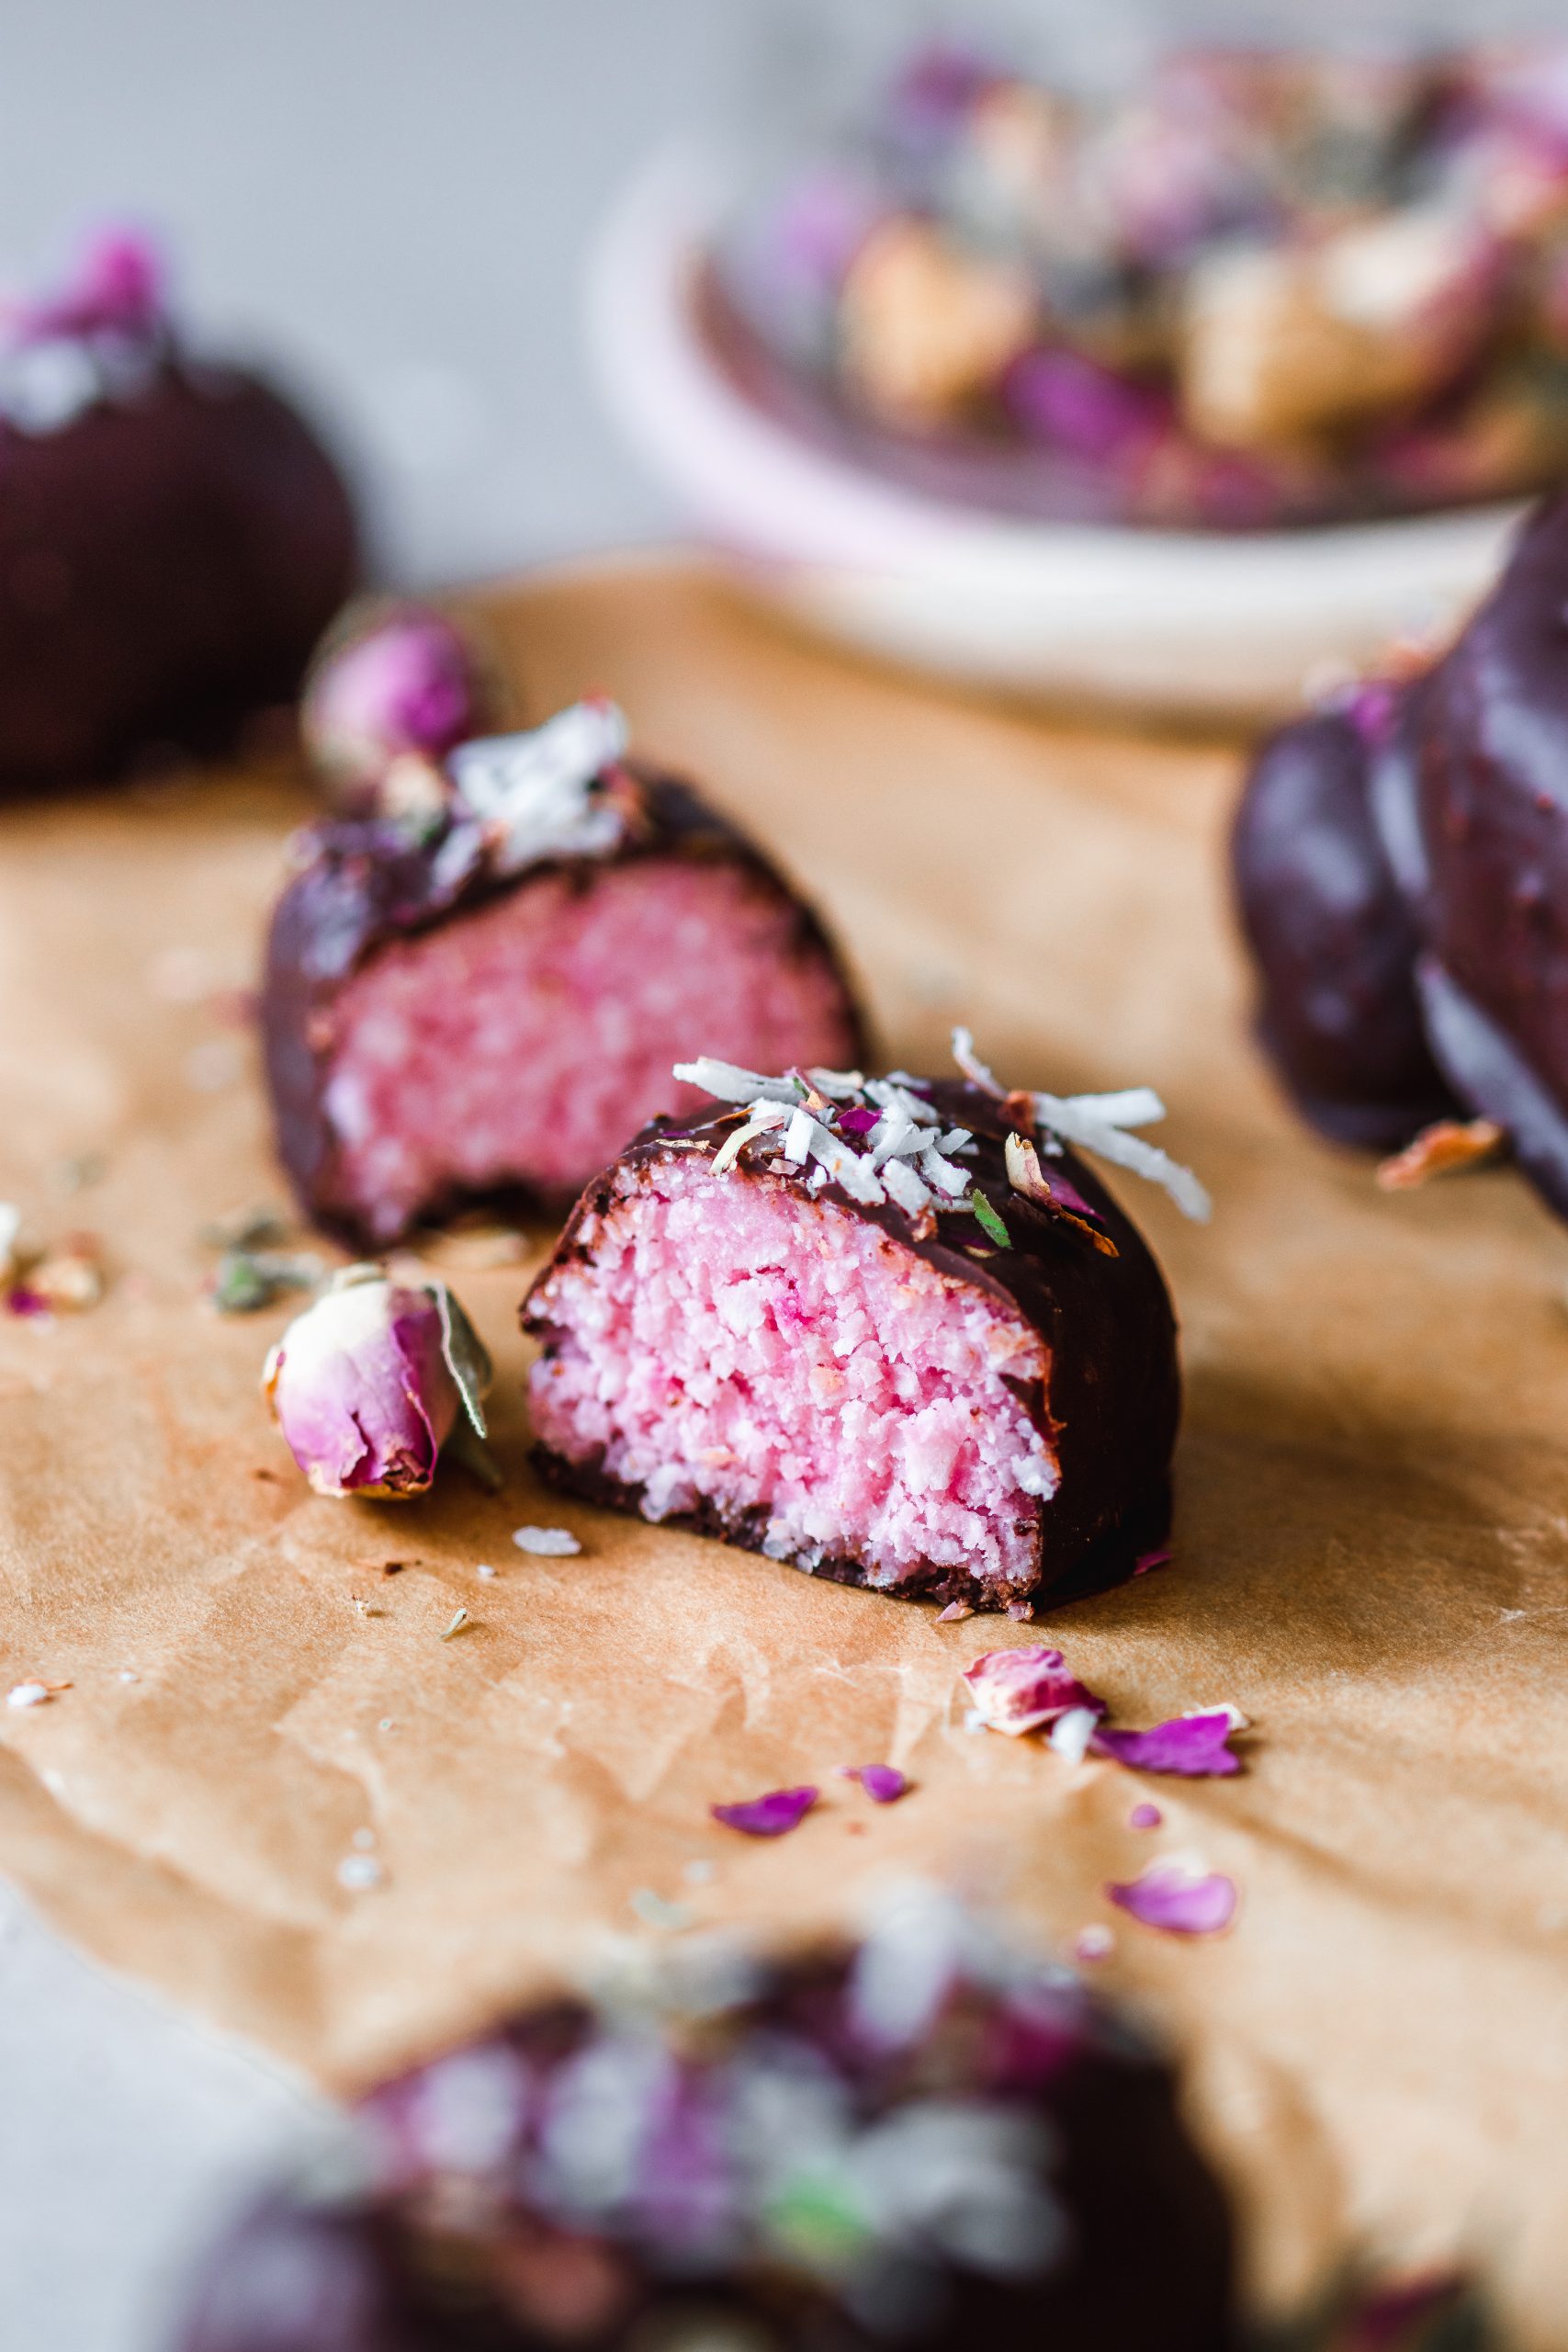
x=1371 y=1548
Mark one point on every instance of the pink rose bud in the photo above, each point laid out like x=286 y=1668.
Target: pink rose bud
x=386 y=701
x=368 y=1383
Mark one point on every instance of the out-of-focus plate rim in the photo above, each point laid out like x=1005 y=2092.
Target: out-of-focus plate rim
x=1230 y=624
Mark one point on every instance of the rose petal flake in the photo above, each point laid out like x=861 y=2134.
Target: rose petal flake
x=1447 y=1145
x=1145 y=1816
x=1177 y=1898
x=1015 y=1690
x=767 y=1817
x=882 y=1783
x=1193 y=1747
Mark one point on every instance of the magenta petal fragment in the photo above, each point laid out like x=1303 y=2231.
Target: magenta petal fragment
x=882 y=1783
x=857 y=1121
x=1179 y=1901
x=1145 y=1816
x=1148 y=1561
x=1192 y=1746
x=768 y=1817
x=1018 y=1690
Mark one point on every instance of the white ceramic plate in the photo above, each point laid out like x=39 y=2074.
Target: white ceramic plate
x=1181 y=622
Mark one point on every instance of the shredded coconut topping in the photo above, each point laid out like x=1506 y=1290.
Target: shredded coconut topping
x=882 y=1139
x=537 y=789
x=1098 y=1123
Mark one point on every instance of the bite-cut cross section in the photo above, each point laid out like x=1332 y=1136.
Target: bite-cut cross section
x=524 y=1043
x=788 y=1371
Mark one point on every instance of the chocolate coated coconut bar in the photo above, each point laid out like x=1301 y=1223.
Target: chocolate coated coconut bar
x=486 y=1004
x=1419 y=866
x=922 y=2140
x=890 y=1331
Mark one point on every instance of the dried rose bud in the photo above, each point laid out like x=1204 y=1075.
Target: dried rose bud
x=71 y=1276
x=386 y=700
x=368 y=1383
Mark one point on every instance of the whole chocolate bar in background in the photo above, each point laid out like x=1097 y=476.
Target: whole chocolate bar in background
x=485 y=1005
x=1403 y=885
x=920 y=2141
x=916 y=1377
x=1333 y=941
x=173 y=536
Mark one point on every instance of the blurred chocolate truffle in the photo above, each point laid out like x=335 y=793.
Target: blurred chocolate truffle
x=173 y=536
x=1422 y=864
x=1332 y=938
x=924 y=2141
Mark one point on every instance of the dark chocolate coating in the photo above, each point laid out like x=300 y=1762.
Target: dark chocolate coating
x=167 y=561
x=1140 y=2252
x=362 y=883
x=1332 y=938
x=1114 y=1388
x=1429 y=870
x=1492 y=805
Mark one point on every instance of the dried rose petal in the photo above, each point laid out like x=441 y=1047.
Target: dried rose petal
x=768 y=1817
x=1447 y=1145
x=1146 y=1562
x=1052 y=1193
x=1145 y=1816
x=882 y=1782
x=1179 y=1899
x=1191 y=1746
x=1018 y=1689
x=858 y=1121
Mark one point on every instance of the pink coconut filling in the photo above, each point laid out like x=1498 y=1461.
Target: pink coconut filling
x=729 y=1342
x=528 y=1041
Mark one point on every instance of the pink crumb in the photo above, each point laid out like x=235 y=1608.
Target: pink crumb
x=529 y=1040
x=1145 y=1816
x=727 y=1343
